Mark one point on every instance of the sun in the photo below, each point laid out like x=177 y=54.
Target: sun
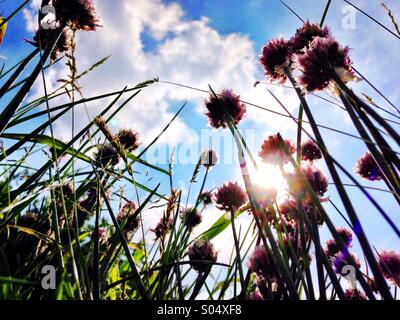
x=268 y=176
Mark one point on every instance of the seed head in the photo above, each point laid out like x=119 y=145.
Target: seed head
x=230 y=196
x=201 y=250
x=273 y=152
x=227 y=107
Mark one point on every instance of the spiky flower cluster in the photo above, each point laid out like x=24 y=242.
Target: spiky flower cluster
x=81 y=14
x=129 y=139
x=206 y=197
x=127 y=215
x=260 y=263
x=70 y=15
x=230 y=196
x=107 y=155
x=389 y=262
x=191 y=218
x=312 y=50
x=200 y=252
x=310 y=151
x=305 y=35
x=343 y=259
x=274 y=152
x=354 y=294
x=332 y=247
x=315 y=177
x=275 y=57
x=321 y=61
x=224 y=108
x=163 y=227
x=367 y=168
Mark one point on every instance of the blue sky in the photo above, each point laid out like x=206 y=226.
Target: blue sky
x=217 y=42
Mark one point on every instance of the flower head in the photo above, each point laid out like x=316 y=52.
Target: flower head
x=255 y=295
x=367 y=168
x=319 y=62
x=354 y=294
x=107 y=155
x=389 y=262
x=191 y=218
x=260 y=263
x=163 y=227
x=128 y=214
x=272 y=151
x=208 y=158
x=344 y=259
x=276 y=56
x=315 y=177
x=331 y=246
x=289 y=209
x=206 y=197
x=226 y=107
x=128 y=139
x=306 y=34
x=80 y=13
x=64 y=44
x=199 y=251
x=230 y=196
x=310 y=151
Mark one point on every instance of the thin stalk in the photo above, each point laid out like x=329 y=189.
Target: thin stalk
x=381 y=283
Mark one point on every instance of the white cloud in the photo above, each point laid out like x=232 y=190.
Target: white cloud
x=186 y=51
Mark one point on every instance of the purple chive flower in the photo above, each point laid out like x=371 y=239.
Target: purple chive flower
x=107 y=155
x=389 y=262
x=127 y=214
x=191 y=218
x=80 y=13
x=163 y=227
x=344 y=259
x=227 y=107
x=206 y=197
x=129 y=139
x=201 y=250
x=273 y=152
x=367 y=168
x=255 y=295
x=290 y=227
x=331 y=246
x=260 y=263
x=208 y=158
x=289 y=209
x=310 y=151
x=354 y=294
x=276 y=56
x=346 y=235
x=306 y=34
x=316 y=178
x=264 y=196
x=230 y=196
x=64 y=44
x=319 y=62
